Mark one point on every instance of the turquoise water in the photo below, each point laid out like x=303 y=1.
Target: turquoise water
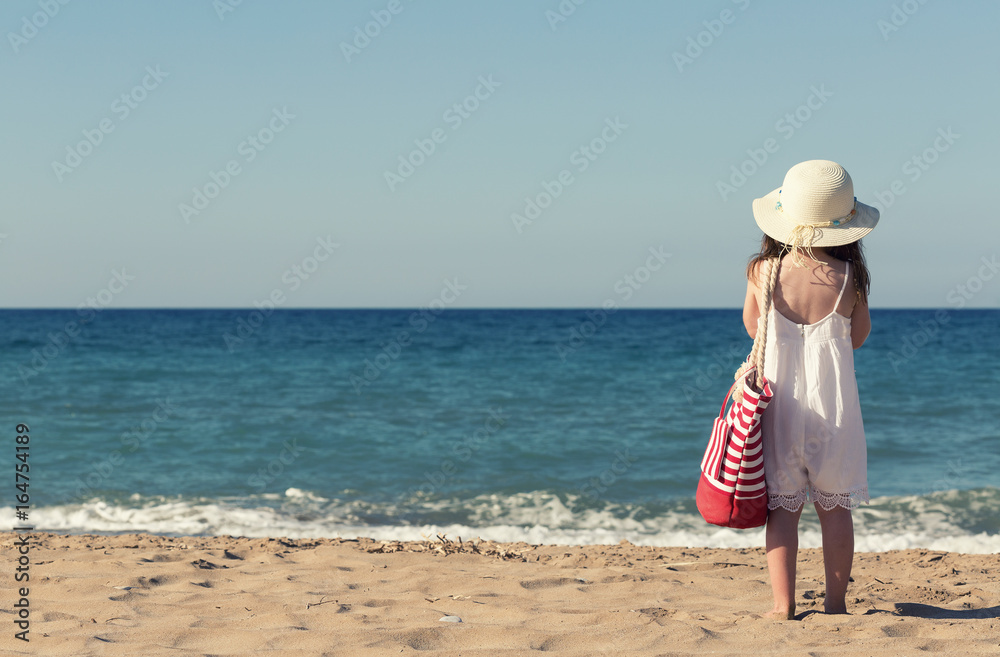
x=565 y=426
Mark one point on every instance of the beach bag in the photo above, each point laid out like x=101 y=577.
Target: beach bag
x=732 y=491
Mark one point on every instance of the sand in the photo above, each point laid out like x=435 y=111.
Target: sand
x=147 y=595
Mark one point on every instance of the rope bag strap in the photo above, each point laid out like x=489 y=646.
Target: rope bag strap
x=760 y=341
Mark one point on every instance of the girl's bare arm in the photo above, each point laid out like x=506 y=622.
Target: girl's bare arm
x=751 y=308
x=861 y=323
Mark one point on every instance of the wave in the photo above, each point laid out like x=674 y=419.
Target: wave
x=959 y=521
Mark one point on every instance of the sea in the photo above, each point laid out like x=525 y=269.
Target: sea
x=568 y=426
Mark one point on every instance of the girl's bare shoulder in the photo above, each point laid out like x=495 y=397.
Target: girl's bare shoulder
x=756 y=271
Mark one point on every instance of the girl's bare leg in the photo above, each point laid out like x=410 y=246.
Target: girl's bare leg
x=782 y=548
x=838 y=555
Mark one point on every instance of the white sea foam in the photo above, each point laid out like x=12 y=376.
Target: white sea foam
x=952 y=520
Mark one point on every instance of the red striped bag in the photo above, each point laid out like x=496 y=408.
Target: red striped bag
x=732 y=491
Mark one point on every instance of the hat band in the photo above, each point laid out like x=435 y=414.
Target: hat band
x=826 y=224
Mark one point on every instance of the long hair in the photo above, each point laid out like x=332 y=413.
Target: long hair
x=854 y=252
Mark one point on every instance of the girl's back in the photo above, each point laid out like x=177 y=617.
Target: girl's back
x=807 y=295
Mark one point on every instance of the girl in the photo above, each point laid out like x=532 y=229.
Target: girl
x=814 y=440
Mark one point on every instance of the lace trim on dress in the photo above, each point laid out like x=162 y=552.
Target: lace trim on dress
x=794 y=501
x=849 y=500
x=789 y=502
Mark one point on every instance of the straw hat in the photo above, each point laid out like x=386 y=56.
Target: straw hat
x=815 y=206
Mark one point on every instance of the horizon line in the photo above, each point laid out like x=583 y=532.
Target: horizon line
x=463 y=308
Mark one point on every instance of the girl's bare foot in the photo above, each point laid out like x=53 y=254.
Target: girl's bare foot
x=831 y=608
x=781 y=613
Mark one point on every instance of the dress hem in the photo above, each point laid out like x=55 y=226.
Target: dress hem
x=852 y=499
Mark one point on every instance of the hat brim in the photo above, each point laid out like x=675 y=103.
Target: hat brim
x=779 y=225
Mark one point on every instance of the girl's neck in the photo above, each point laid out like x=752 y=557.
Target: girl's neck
x=819 y=257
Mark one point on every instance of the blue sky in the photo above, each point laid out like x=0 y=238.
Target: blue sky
x=312 y=119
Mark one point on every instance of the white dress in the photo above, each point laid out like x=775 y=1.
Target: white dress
x=814 y=438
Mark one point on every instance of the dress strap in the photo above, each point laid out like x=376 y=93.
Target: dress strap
x=847 y=273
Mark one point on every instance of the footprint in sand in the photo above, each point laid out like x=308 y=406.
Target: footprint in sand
x=625 y=577
x=161 y=557
x=553 y=643
x=50 y=616
x=422 y=639
x=158 y=580
x=686 y=566
x=378 y=603
x=547 y=582
x=900 y=630
x=123 y=597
